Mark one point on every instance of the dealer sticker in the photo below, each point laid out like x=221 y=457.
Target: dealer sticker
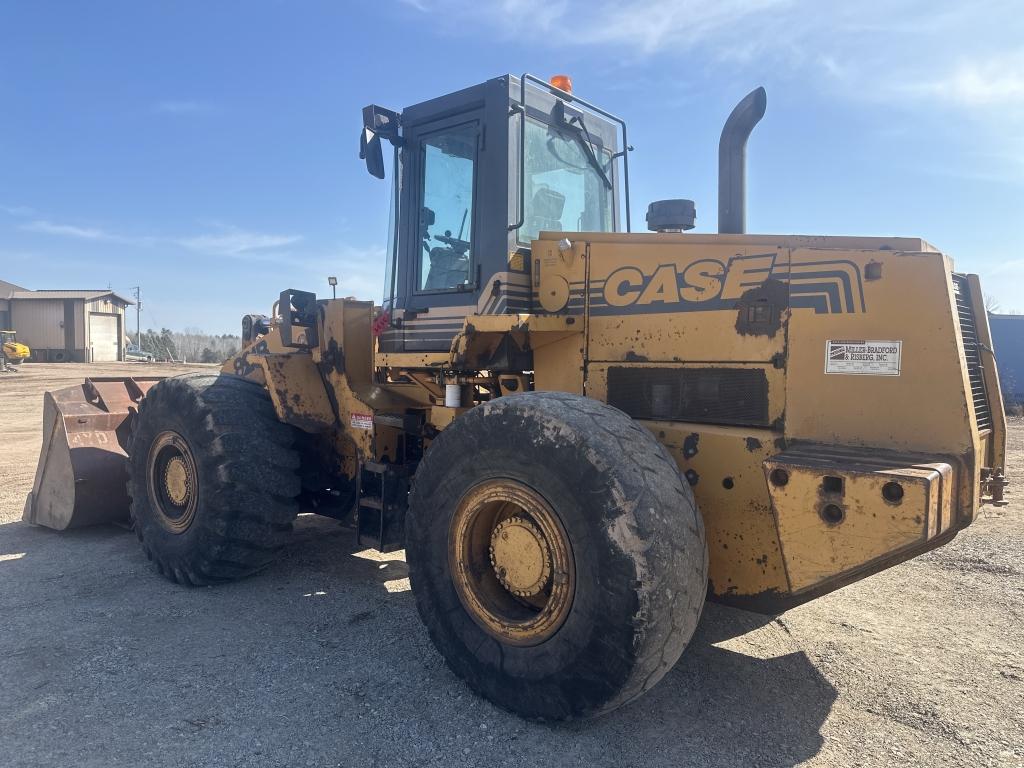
x=362 y=421
x=871 y=358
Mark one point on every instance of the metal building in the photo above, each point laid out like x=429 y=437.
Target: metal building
x=1008 y=341
x=6 y=289
x=64 y=326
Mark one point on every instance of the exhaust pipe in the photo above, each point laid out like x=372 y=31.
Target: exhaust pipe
x=732 y=162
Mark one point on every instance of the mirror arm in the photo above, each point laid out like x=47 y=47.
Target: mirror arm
x=378 y=123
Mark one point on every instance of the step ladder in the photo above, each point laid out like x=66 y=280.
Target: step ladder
x=383 y=498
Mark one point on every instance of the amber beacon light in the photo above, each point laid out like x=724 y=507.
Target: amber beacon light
x=561 y=82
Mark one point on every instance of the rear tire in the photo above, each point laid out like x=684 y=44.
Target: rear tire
x=542 y=467
x=212 y=478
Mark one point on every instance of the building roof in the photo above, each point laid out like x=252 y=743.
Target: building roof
x=83 y=295
x=6 y=289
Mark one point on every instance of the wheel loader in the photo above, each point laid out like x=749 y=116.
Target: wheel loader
x=577 y=432
x=13 y=350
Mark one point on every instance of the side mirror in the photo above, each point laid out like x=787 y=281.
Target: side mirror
x=371 y=152
x=378 y=123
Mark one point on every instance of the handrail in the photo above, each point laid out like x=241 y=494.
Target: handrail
x=559 y=93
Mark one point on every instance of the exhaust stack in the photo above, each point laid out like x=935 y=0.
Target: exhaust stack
x=732 y=162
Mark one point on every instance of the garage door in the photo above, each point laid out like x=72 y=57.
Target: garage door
x=103 y=337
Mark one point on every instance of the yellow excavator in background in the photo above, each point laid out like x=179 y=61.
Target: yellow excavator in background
x=14 y=351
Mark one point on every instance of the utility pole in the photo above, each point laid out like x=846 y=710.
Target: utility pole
x=138 y=317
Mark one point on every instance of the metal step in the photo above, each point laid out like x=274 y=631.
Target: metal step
x=371 y=502
x=383 y=497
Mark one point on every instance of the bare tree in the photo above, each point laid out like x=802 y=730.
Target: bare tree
x=991 y=303
x=192 y=344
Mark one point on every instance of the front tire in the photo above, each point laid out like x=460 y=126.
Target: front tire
x=556 y=554
x=212 y=478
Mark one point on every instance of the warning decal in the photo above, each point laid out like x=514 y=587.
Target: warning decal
x=872 y=358
x=362 y=421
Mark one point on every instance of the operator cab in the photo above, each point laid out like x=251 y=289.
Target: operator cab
x=476 y=176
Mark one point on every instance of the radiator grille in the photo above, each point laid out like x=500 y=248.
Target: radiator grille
x=972 y=349
x=704 y=395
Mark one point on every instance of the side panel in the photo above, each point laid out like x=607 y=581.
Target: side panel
x=345 y=360
x=39 y=323
x=925 y=408
x=843 y=366
x=692 y=331
x=298 y=391
x=558 y=280
x=686 y=303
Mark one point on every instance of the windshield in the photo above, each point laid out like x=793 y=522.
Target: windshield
x=564 y=192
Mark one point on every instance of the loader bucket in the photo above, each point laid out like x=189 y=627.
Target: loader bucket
x=82 y=473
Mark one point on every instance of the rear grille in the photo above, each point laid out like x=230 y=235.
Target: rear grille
x=972 y=349
x=705 y=395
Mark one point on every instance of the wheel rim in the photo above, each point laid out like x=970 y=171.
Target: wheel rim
x=173 y=482
x=511 y=562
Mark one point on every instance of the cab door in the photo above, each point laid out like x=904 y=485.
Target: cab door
x=439 y=282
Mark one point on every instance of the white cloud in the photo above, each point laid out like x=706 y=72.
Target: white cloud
x=897 y=61
x=1002 y=283
x=871 y=50
x=180 y=107
x=1009 y=267
x=993 y=81
x=657 y=25
x=643 y=26
x=360 y=271
x=18 y=211
x=70 y=230
x=228 y=241
x=232 y=241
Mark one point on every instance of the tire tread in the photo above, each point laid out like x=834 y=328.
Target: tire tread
x=246 y=516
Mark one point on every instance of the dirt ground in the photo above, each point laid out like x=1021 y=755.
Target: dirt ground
x=321 y=660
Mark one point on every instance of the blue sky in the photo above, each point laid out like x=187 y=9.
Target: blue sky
x=207 y=150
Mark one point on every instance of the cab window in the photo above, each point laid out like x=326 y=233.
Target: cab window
x=448 y=163
x=564 y=192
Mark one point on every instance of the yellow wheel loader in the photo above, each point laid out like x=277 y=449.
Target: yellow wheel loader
x=577 y=432
x=14 y=351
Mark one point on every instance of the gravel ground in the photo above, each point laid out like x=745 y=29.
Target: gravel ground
x=321 y=660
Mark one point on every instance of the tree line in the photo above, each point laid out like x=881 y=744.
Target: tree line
x=190 y=345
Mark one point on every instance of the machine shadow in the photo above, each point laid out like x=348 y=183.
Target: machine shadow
x=734 y=707
x=325 y=546
x=717 y=706
x=38 y=540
